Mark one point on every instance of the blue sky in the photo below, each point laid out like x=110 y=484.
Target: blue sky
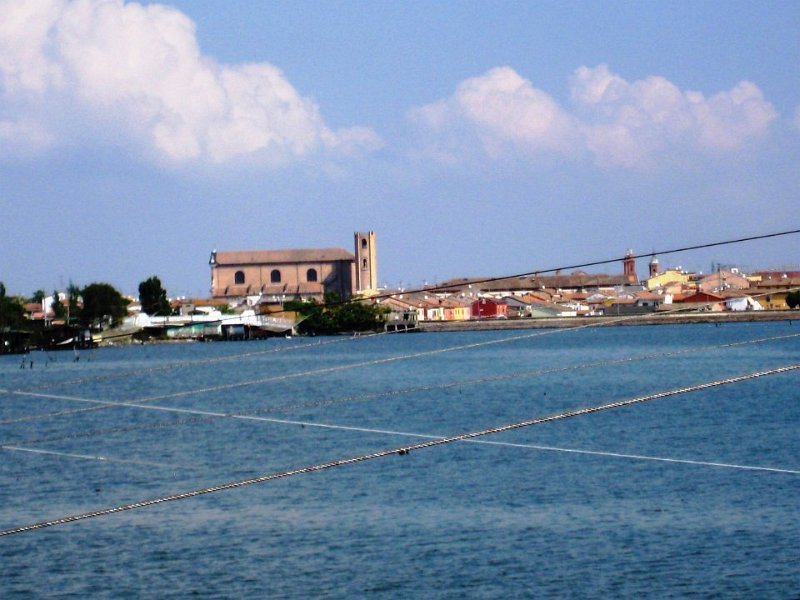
x=475 y=138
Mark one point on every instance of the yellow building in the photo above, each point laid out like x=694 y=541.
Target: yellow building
x=772 y=289
x=771 y=299
x=667 y=278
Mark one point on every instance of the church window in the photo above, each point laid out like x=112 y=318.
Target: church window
x=311 y=275
x=238 y=277
x=363 y=242
x=275 y=276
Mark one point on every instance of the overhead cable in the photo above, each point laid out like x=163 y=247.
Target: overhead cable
x=438 y=288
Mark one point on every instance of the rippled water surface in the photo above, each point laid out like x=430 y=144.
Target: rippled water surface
x=693 y=495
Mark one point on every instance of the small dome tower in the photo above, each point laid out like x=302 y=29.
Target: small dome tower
x=653 y=266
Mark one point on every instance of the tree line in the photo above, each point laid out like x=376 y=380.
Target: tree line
x=337 y=316
x=99 y=305
x=95 y=306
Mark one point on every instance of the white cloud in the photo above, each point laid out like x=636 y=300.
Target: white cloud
x=619 y=123
x=24 y=64
x=633 y=124
x=507 y=113
x=139 y=69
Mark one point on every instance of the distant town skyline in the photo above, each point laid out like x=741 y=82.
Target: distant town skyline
x=477 y=139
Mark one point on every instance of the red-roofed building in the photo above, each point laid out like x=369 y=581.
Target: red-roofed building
x=489 y=308
x=704 y=301
x=281 y=275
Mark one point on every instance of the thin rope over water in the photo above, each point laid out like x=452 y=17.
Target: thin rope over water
x=146 y=463
x=194 y=362
x=401 y=450
x=105 y=404
x=271 y=379
x=682 y=461
x=251 y=415
x=101 y=405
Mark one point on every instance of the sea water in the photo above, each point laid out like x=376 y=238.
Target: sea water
x=693 y=495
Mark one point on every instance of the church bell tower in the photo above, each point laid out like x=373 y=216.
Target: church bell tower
x=366 y=263
x=629 y=267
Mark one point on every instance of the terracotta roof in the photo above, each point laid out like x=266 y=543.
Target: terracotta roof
x=777 y=274
x=537 y=297
x=310 y=255
x=415 y=302
x=648 y=296
x=396 y=302
x=776 y=284
x=700 y=297
x=577 y=280
x=733 y=293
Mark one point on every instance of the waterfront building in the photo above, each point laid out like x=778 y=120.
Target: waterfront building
x=276 y=276
x=723 y=279
x=489 y=308
x=772 y=289
x=670 y=278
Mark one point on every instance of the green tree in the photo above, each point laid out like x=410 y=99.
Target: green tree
x=316 y=320
x=336 y=316
x=102 y=301
x=358 y=316
x=59 y=312
x=38 y=296
x=153 y=297
x=73 y=308
x=793 y=299
x=12 y=311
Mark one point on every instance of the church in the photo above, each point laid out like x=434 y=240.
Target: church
x=296 y=274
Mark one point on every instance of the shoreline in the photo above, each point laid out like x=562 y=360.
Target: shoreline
x=611 y=320
x=540 y=323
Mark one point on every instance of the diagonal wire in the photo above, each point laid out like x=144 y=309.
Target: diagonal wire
x=284 y=377
x=401 y=450
x=248 y=415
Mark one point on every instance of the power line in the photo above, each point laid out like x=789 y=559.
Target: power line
x=595 y=263
x=439 y=288
x=400 y=450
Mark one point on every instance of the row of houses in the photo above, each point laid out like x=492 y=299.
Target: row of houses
x=583 y=294
x=530 y=296
x=725 y=288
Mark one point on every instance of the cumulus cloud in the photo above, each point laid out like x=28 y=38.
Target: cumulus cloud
x=140 y=69
x=506 y=112
x=619 y=123
x=629 y=124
